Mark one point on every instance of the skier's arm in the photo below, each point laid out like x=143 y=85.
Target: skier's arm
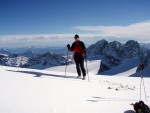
x=72 y=47
x=84 y=48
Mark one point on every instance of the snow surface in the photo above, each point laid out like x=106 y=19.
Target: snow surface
x=93 y=67
x=126 y=68
x=41 y=91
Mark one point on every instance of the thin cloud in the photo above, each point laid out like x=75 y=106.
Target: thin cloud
x=42 y=39
x=5 y=38
x=139 y=31
x=32 y=37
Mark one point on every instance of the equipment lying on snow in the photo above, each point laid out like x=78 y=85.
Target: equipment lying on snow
x=141 y=107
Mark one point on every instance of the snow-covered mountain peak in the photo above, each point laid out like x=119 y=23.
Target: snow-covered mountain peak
x=132 y=49
x=113 y=49
x=97 y=48
x=114 y=53
x=116 y=49
x=28 y=53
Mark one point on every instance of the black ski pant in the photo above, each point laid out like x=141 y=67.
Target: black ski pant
x=80 y=67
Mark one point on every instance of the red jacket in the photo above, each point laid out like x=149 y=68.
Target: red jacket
x=78 y=47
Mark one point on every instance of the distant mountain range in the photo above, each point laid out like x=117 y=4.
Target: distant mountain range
x=38 y=57
x=145 y=45
x=53 y=49
x=4 y=51
x=28 y=53
x=30 y=60
x=34 y=49
x=112 y=54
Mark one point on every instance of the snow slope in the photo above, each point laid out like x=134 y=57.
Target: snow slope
x=145 y=72
x=40 y=91
x=93 y=67
x=126 y=68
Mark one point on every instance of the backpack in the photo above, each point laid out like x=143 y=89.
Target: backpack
x=140 y=107
x=78 y=47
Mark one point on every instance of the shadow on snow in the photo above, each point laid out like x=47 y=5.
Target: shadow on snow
x=129 y=111
x=39 y=74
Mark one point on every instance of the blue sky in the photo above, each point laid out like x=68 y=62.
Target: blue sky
x=27 y=21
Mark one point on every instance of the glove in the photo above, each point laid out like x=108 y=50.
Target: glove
x=68 y=46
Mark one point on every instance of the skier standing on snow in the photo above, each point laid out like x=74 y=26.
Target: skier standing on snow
x=78 y=47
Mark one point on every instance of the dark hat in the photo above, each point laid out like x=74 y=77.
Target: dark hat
x=76 y=36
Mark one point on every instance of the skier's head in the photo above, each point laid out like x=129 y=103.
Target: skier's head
x=76 y=37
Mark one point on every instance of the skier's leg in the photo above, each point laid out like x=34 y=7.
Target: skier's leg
x=78 y=68
x=82 y=68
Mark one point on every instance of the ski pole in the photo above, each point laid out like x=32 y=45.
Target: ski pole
x=142 y=80
x=66 y=63
x=87 y=70
x=144 y=90
x=140 y=88
x=144 y=86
